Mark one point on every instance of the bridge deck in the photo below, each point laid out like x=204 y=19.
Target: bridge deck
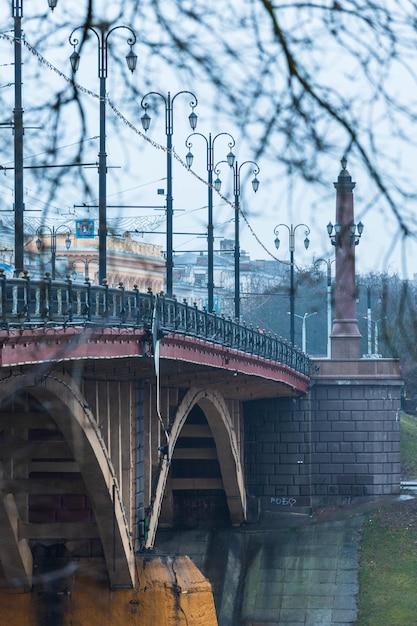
x=52 y=321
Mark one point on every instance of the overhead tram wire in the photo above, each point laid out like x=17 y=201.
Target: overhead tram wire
x=137 y=131
x=120 y=206
x=36 y=167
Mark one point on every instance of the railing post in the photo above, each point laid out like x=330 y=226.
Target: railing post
x=87 y=305
x=122 y=304
x=175 y=321
x=3 y=299
x=106 y=311
x=69 y=296
x=204 y=319
x=151 y=305
x=185 y=308
x=195 y=314
x=137 y=303
x=47 y=297
x=26 y=307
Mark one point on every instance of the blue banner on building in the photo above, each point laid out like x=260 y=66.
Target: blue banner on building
x=84 y=229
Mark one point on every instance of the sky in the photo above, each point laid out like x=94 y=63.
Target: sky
x=137 y=168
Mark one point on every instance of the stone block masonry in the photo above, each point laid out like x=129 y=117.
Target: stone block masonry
x=338 y=444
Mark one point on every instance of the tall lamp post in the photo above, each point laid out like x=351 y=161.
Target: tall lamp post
x=19 y=205
x=169 y=129
x=131 y=59
x=236 y=193
x=210 y=141
x=303 y=319
x=291 y=244
x=376 y=336
x=369 y=312
x=328 y=263
x=53 y=233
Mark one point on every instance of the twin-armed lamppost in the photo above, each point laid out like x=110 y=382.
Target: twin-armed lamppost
x=53 y=233
x=236 y=193
x=86 y=262
x=210 y=141
x=102 y=39
x=291 y=244
x=19 y=205
x=169 y=129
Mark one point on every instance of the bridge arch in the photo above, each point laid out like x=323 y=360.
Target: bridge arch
x=65 y=403
x=220 y=422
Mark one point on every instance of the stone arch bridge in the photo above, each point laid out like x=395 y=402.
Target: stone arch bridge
x=121 y=412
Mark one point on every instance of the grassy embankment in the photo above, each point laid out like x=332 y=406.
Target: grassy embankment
x=388 y=572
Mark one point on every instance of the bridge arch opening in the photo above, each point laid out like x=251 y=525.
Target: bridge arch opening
x=63 y=459
x=219 y=489
x=195 y=494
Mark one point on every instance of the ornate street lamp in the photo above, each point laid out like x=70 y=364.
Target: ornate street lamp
x=169 y=129
x=291 y=245
x=210 y=141
x=86 y=263
x=102 y=39
x=345 y=231
x=236 y=192
x=53 y=233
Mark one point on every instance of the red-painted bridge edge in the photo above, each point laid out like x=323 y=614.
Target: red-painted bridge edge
x=43 y=345
x=200 y=352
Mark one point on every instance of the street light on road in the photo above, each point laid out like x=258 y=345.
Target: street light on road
x=86 y=263
x=169 y=129
x=291 y=244
x=53 y=233
x=102 y=39
x=369 y=288
x=236 y=193
x=376 y=336
x=328 y=263
x=304 y=329
x=210 y=141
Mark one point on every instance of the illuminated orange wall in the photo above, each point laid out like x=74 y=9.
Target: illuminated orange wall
x=171 y=592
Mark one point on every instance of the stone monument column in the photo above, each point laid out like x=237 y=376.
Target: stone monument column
x=345 y=336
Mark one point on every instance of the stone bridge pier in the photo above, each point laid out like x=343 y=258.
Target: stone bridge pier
x=336 y=446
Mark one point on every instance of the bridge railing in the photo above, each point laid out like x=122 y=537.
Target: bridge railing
x=27 y=302
x=174 y=316
x=43 y=302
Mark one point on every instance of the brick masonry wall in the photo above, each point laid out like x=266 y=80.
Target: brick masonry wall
x=339 y=443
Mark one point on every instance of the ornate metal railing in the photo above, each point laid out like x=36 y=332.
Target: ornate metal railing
x=27 y=303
